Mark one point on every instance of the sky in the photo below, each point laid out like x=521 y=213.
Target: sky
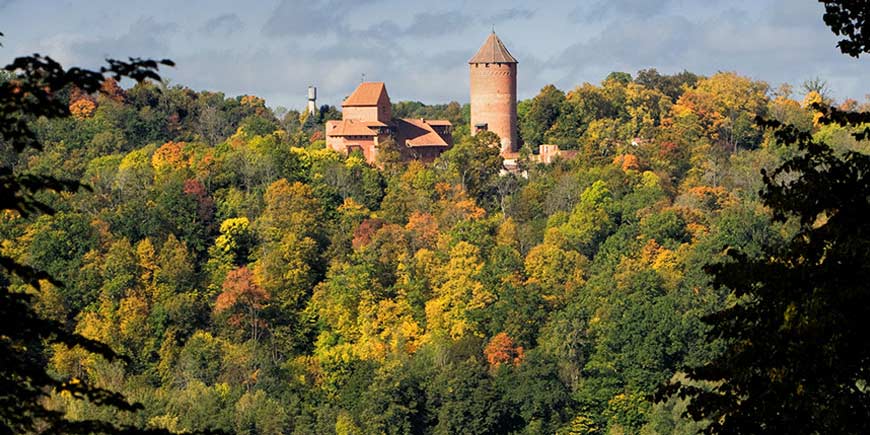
x=276 y=48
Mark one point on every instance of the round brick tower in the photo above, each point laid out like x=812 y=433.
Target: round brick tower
x=494 y=92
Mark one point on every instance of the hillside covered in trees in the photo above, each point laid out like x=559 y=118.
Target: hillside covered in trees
x=262 y=284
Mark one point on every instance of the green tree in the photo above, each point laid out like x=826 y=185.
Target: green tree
x=259 y=414
x=795 y=329
x=24 y=381
x=670 y=85
x=541 y=114
x=390 y=156
x=589 y=223
x=470 y=402
x=394 y=402
x=475 y=163
x=534 y=390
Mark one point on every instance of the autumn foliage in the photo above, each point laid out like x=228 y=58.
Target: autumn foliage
x=113 y=91
x=82 y=108
x=627 y=162
x=263 y=283
x=171 y=156
x=242 y=299
x=501 y=349
x=363 y=234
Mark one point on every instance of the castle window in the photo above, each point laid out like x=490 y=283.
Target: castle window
x=481 y=127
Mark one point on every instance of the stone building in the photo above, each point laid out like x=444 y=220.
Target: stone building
x=493 y=74
x=367 y=122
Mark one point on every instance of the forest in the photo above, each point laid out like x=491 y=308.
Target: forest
x=258 y=283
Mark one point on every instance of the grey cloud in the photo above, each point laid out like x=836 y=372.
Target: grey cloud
x=250 y=73
x=731 y=40
x=791 y=13
x=511 y=14
x=291 y=18
x=303 y=17
x=438 y=23
x=148 y=25
x=222 y=24
x=659 y=39
x=382 y=32
x=530 y=71
x=606 y=8
x=145 y=38
x=447 y=57
x=362 y=52
x=423 y=25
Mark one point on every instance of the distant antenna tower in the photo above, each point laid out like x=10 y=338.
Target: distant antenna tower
x=312 y=100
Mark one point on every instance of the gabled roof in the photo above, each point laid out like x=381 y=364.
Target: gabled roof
x=493 y=51
x=419 y=133
x=348 y=127
x=367 y=94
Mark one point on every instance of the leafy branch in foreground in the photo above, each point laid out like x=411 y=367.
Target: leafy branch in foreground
x=797 y=353
x=32 y=90
x=849 y=19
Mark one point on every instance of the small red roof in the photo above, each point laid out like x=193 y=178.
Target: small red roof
x=348 y=127
x=419 y=133
x=367 y=94
x=438 y=122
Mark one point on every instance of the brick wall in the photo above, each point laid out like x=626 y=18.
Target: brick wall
x=363 y=113
x=494 y=101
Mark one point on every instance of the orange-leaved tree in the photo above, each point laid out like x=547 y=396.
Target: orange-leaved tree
x=242 y=300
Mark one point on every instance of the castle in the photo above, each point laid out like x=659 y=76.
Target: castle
x=367 y=121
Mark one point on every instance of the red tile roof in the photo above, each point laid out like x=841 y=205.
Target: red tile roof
x=348 y=127
x=367 y=94
x=493 y=51
x=439 y=122
x=419 y=133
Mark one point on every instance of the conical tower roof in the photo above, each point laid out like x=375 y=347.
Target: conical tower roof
x=493 y=51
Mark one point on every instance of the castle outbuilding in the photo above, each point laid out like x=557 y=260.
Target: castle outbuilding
x=367 y=121
x=494 y=93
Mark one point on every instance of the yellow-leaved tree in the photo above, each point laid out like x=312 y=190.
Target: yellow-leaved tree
x=458 y=295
